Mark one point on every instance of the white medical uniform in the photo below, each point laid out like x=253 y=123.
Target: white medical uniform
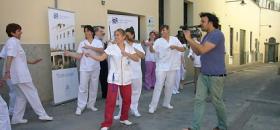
x=166 y=66
x=89 y=75
x=20 y=75
x=4 y=116
x=11 y=86
x=136 y=80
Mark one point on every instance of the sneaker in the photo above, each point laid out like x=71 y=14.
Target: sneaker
x=126 y=122
x=117 y=117
x=78 y=111
x=174 y=92
x=177 y=92
x=168 y=106
x=22 y=121
x=93 y=108
x=135 y=113
x=151 y=110
x=104 y=128
x=46 y=118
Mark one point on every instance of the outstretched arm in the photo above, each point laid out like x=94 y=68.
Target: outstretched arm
x=75 y=55
x=98 y=58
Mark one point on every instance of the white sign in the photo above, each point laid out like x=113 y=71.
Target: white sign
x=64 y=69
x=150 y=25
x=122 y=21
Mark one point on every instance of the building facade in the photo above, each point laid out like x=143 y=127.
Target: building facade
x=251 y=30
x=32 y=15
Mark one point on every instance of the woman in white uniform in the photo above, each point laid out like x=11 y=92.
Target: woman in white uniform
x=150 y=62
x=119 y=77
x=166 y=50
x=136 y=77
x=4 y=113
x=17 y=70
x=89 y=70
x=11 y=86
x=180 y=73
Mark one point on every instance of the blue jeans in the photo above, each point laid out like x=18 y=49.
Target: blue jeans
x=212 y=86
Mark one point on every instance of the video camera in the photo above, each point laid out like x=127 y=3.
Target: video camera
x=195 y=32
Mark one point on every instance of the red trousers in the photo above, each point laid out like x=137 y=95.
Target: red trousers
x=112 y=93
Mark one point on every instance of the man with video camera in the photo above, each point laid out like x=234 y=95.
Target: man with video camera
x=213 y=71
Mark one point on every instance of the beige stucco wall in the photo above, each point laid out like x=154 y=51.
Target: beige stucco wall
x=32 y=15
x=173 y=15
x=272 y=18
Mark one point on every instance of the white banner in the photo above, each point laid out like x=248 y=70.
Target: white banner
x=122 y=21
x=64 y=69
x=150 y=25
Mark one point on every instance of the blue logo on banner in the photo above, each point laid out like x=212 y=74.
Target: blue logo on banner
x=115 y=20
x=55 y=15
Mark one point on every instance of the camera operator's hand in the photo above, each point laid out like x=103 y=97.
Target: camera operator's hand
x=187 y=34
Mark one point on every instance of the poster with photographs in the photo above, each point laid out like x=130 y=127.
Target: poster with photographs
x=64 y=68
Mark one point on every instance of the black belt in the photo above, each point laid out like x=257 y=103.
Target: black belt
x=221 y=75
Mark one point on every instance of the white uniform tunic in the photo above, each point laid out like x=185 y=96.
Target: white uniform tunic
x=12 y=87
x=87 y=63
x=26 y=91
x=136 y=80
x=136 y=66
x=19 y=69
x=167 y=62
x=4 y=116
x=149 y=55
x=167 y=59
x=120 y=66
x=89 y=75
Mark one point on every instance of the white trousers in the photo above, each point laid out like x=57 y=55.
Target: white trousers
x=180 y=75
x=88 y=88
x=4 y=116
x=136 y=85
x=12 y=95
x=27 y=92
x=177 y=80
x=167 y=79
x=136 y=92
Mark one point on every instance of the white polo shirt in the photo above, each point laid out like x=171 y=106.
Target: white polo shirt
x=167 y=59
x=149 y=55
x=120 y=66
x=87 y=63
x=136 y=66
x=19 y=70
